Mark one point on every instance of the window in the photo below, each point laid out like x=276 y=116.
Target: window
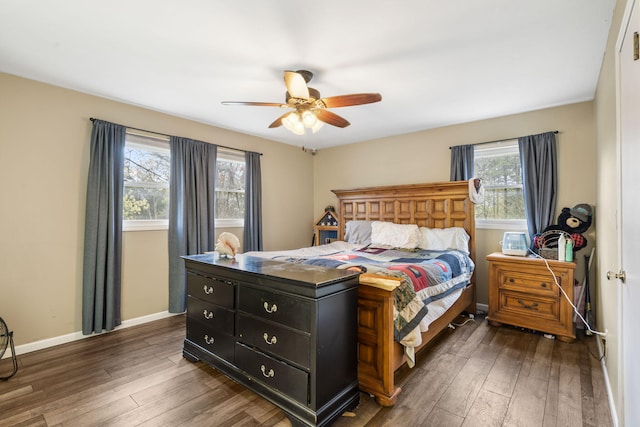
x=147 y=167
x=230 y=182
x=146 y=182
x=498 y=164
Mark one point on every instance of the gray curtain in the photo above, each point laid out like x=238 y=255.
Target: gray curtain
x=253 y=203
x=462 y=158
x=102 y=263
x=538 y=158
x=191 y=211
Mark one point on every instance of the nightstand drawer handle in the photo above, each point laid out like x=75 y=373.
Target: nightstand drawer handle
x=544 y=285
x=530 y=307
x=273 y=308
x=269 y=374
x=208 y=289
x=271 y=341
x=207 y=314
x=209 y=340
x=512 y=280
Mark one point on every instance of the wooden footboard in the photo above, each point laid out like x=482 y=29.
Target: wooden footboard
x=375 y=339
x=379 y=356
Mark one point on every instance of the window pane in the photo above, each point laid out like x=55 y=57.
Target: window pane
x=501 y=203
x=146 y=203
x=499 y=168
x=229 y=205
x=146 y=179
x=230 y=189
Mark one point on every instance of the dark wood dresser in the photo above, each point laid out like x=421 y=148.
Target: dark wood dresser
x=286 y=331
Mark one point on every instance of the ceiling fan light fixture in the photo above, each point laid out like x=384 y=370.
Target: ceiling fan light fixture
x=293 y=122
x=316 y=127
x=309 y=119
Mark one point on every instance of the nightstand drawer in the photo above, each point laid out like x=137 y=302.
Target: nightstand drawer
x=538 y=284
x=273 y=338
x=211 y=289
x=291 y=381
x=284 y=309
x=528 y=305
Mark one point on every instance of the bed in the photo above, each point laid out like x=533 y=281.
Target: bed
x=391 y=329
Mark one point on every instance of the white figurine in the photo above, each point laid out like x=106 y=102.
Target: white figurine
x=227 y=245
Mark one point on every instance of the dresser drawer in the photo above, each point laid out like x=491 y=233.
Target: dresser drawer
x=211 y=289
x=289 y=380
x=530 y=305
x=210 y=314
x=538 y=284
x=284 y=309
x=212 y=340
x=273 y=338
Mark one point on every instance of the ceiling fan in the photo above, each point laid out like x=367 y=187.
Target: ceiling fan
x=309 y=110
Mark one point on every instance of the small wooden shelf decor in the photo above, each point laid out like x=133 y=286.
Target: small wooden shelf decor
x=325 y=229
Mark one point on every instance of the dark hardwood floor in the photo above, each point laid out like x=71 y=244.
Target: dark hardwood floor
x=475 y=375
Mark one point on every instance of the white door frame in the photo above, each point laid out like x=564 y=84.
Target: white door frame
x=623 y=400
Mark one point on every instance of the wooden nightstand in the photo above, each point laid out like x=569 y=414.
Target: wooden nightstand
x=522 y=293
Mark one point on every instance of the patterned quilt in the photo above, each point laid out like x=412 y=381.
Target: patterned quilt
x=427 y=276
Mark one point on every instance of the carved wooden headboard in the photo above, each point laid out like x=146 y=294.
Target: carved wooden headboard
x=433 y=205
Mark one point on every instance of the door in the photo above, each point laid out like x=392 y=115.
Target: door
x=629 y=227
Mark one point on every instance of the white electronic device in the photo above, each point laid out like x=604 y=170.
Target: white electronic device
x=515 y=243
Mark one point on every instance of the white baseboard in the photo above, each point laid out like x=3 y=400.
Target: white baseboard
x=482 y=307
x=75 y=336
x=607 y=383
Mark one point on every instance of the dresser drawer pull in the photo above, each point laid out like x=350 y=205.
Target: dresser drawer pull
x=273 y=308
x=207 y=314
x=208 y=289
x=271 y=341
x=544 y=285
x=511 y=280
x=529 y=306
x=266 y=374
x=209 y=340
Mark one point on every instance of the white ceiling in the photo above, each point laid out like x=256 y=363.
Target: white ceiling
x=435 y=62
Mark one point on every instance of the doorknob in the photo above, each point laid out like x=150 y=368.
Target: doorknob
x=621 y=275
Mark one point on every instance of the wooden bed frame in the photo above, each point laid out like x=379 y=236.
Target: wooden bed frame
x=433 y=205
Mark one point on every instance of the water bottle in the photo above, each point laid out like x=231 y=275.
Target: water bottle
x=562 y=244
x=568 y=256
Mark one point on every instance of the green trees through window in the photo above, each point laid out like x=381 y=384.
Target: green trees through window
x=499 y=167
x=146 y=179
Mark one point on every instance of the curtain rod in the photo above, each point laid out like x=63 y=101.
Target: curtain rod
x=164 y=134
x=502 y=140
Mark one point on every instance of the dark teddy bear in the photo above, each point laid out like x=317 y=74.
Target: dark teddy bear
x=574 y=221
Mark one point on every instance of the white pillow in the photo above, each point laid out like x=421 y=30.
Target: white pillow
x=358 y=232
x=441 y=239
x=405 y=236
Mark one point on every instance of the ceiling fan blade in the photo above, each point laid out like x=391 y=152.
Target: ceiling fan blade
x=255 y=104
x=348 y=100
x=296 y=85
x=331 y=118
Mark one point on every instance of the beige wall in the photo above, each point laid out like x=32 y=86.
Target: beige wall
x=44 y=152
x=424 y=157
x=607 y=306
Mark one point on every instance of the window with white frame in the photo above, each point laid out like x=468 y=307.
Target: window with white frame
x=498 y=165
x=230 y=181
x=146 y=181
